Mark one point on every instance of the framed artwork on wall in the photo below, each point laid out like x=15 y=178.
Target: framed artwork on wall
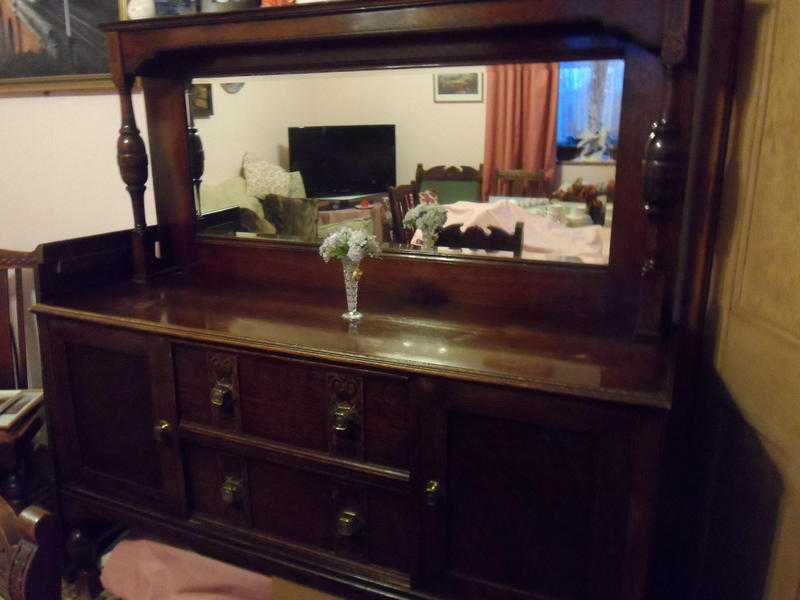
x=55 y=45
x=463 y=86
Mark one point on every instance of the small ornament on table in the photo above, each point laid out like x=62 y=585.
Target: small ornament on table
x=428 y=218
x=588 y=194
x=351 y=247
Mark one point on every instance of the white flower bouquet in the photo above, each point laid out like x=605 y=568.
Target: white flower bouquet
x=350 y=244
x=427 y=218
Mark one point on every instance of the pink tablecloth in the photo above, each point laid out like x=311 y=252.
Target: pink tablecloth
x=544 y=238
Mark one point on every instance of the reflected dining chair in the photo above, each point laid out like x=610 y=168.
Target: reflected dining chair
x=518 y=183
x=13 y=350
x=451 y=184
x=475 y=238
x=402 y=199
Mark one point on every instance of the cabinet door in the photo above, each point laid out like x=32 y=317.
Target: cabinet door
x=111 y=404
x=530 y=496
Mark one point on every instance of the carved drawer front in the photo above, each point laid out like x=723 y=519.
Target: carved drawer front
x=208 y=387
x=361 y=415
x=294 y=506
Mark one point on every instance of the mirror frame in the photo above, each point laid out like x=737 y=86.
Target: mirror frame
x=636 y=285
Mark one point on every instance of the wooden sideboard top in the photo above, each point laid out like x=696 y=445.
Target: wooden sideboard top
x=484 y=350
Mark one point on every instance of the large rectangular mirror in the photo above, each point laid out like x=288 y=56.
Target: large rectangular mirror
x=513 y=161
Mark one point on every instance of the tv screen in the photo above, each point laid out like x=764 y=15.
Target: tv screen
x=343 y=160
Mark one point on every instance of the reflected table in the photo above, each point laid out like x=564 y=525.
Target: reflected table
x=555 y=232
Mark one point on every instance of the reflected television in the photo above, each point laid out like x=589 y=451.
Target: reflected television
x=343 y=160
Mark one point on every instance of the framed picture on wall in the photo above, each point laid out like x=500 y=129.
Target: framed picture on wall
x=463 y=86
x=55 y=45
x=200 y=101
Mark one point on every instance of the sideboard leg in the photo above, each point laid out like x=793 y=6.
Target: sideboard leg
x=82 y=553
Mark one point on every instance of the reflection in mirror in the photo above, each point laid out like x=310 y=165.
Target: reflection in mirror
x=506 y=161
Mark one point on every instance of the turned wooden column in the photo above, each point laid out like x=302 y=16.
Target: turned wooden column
x=132 y=160
x=664 y=170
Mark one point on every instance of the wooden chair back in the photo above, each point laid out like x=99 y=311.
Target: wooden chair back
x=466 y=180
x=13 y=346
x=29 y=551
x=402 y=199
x=476 y=238
x=518 y=183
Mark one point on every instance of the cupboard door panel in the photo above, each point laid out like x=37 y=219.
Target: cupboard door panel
x=521 y=504
x=112 y=412
x=541 y=497
x=110 y=394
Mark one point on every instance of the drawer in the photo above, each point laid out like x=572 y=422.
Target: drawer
x=364 y=523
x=358 y=414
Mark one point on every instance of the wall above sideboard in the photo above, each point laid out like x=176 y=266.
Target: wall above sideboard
x=59 y=175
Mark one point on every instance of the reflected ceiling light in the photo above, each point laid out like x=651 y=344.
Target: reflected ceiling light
x=233 y=86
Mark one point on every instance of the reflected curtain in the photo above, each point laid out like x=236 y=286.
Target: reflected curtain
x=521 y=108
x=590 y=97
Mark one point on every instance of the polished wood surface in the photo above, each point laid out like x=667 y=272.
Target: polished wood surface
x=29 y=546
x=458 y=344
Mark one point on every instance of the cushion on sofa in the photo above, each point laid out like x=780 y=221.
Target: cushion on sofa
x=263 y=177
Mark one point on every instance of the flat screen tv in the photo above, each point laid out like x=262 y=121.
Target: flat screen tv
x=343 y=160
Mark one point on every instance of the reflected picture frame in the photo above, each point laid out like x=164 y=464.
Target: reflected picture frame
x=201 y=101
x=458 y=86
x=45 y=55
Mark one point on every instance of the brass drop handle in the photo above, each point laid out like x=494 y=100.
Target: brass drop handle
x=349 y=523
x=433 y=491
x=231 y=491
x=344 y=416
x=162 y=432
x=221 y=395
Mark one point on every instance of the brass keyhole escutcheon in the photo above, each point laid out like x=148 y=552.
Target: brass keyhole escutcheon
x=162 y=432
x=231 y=491
x=344 y=416
x=221 y=396
x=433 y=491
x=349 y=523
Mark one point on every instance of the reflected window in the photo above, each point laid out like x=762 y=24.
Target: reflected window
x=589 y=104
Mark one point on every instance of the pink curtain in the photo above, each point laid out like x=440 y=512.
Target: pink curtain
x=521 y=106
